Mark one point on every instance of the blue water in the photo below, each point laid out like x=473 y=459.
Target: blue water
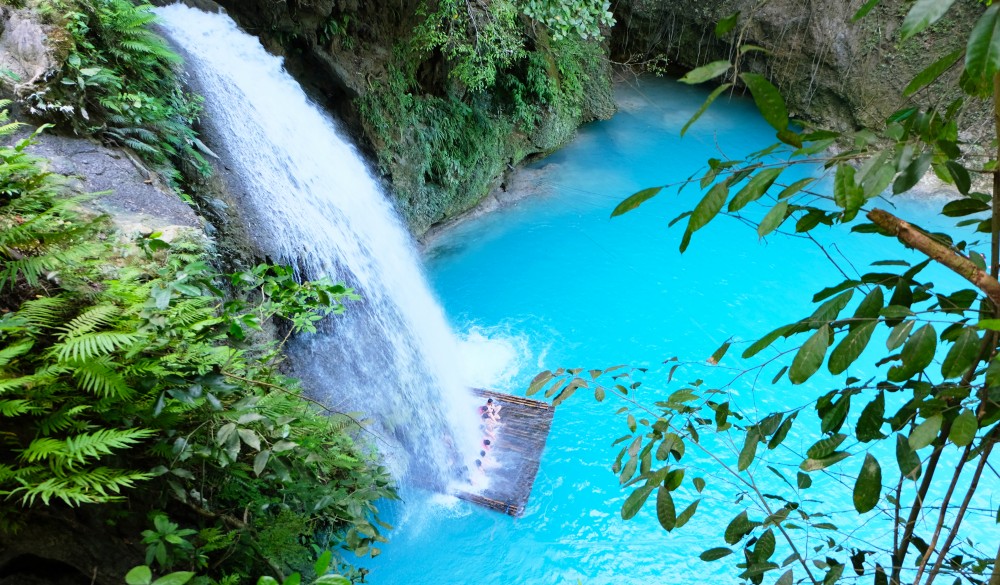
x=552 y=281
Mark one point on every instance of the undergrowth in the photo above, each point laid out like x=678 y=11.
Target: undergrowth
x=126 y=366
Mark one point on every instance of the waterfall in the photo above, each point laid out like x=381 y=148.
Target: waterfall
x=310 y=201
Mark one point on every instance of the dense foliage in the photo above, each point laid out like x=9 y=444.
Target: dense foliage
x=127 y=364
x=118 y=81
x=911 y=445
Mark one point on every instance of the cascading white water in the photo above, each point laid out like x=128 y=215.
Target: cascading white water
x=311 y=202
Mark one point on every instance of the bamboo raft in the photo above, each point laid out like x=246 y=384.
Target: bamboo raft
x=518 y=449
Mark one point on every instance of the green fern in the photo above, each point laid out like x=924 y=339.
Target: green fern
x=99 y=376
x=97 y=485
x=93 y=345
x=89 y=320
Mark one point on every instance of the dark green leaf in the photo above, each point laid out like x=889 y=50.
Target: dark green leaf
x=704 y=106
x=963 y=207
x=868 y=486
x=846 y=192
x=810 y=356
x=907 y=458
x=765 y=341
x=851 y=347
x=794 y=188
x=706 y=72
x=755 y=188
x=803 y=481
x=962 y=354
x=917 y=354
x=960 y=175
x=635 y=501
x=714 y=554
x=749 y=450
x=871 y=420
x=699 y=484
x=687 y=514
x=665 y=512
x=764 y=547
x=781 y=433
x=739 y=527
x=773 y=219
x=912 y=174
x=635 y=200
x=708 y=207
x=982 y=54
x=931 y=73
x=964 y=428
x=817 y=464
x=719 y=353
x=768 y=100
x=825 y=447
x=726 y=24
x=861 y=13
x=923 y=14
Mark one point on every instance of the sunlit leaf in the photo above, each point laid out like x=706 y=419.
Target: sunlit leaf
x=923 y=14
x=768 y=100
x=706 y=72
x=635 y=200
x=964 y=428
x=810 y=356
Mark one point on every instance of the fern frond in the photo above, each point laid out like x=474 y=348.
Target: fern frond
x=15 y=407
x=63 y=420
x=16 y=350
x=78 y=449
x=99 y=377
x=89 y=320
x=91 y=486
x=93 y=345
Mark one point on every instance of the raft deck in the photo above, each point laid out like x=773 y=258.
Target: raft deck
x=517 y=450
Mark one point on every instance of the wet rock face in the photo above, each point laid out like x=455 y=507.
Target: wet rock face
x=28 y=52
x=830 y=69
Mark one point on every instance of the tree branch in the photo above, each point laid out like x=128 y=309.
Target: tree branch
x=915 y=238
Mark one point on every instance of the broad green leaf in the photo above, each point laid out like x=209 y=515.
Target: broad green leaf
x=918 y=351
x=869 y=307
x=708 y=207
x=260 y=461
x=140 y=575
x=665 y=511
x=755 y=188
x=699 y=484
x=322 y=564
x=704 y=106
x=774 y=218
x=635 y=200
x=982 y=53
x=739 y=527
x=850 y=348
x=267 y=580
x=177 y=578
x=907 y=458
x=962 y=354
x=899 y=335
x=932 y=72
x=757 y=346
x=540 y=380
x=719 y=353
x=925 y=433
x=795 y=188
x=687 y=514
x=817 y=464
x=829 y=310
x=871 y=420
x=868 y=486
x=964 y=428
x=635 y=501
x=912 y=173
x=714 y=554
x=788 y=577
x=706 y=72
x=825 y=447
x=963 y=207
x=803 y=481
x=768 y=100
x=923 y=14
x=960 y=175
x=781 y=433
x=846 y=192
x=810 y=356
x=749 y=449
x=726 y=24
x=865 y=9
